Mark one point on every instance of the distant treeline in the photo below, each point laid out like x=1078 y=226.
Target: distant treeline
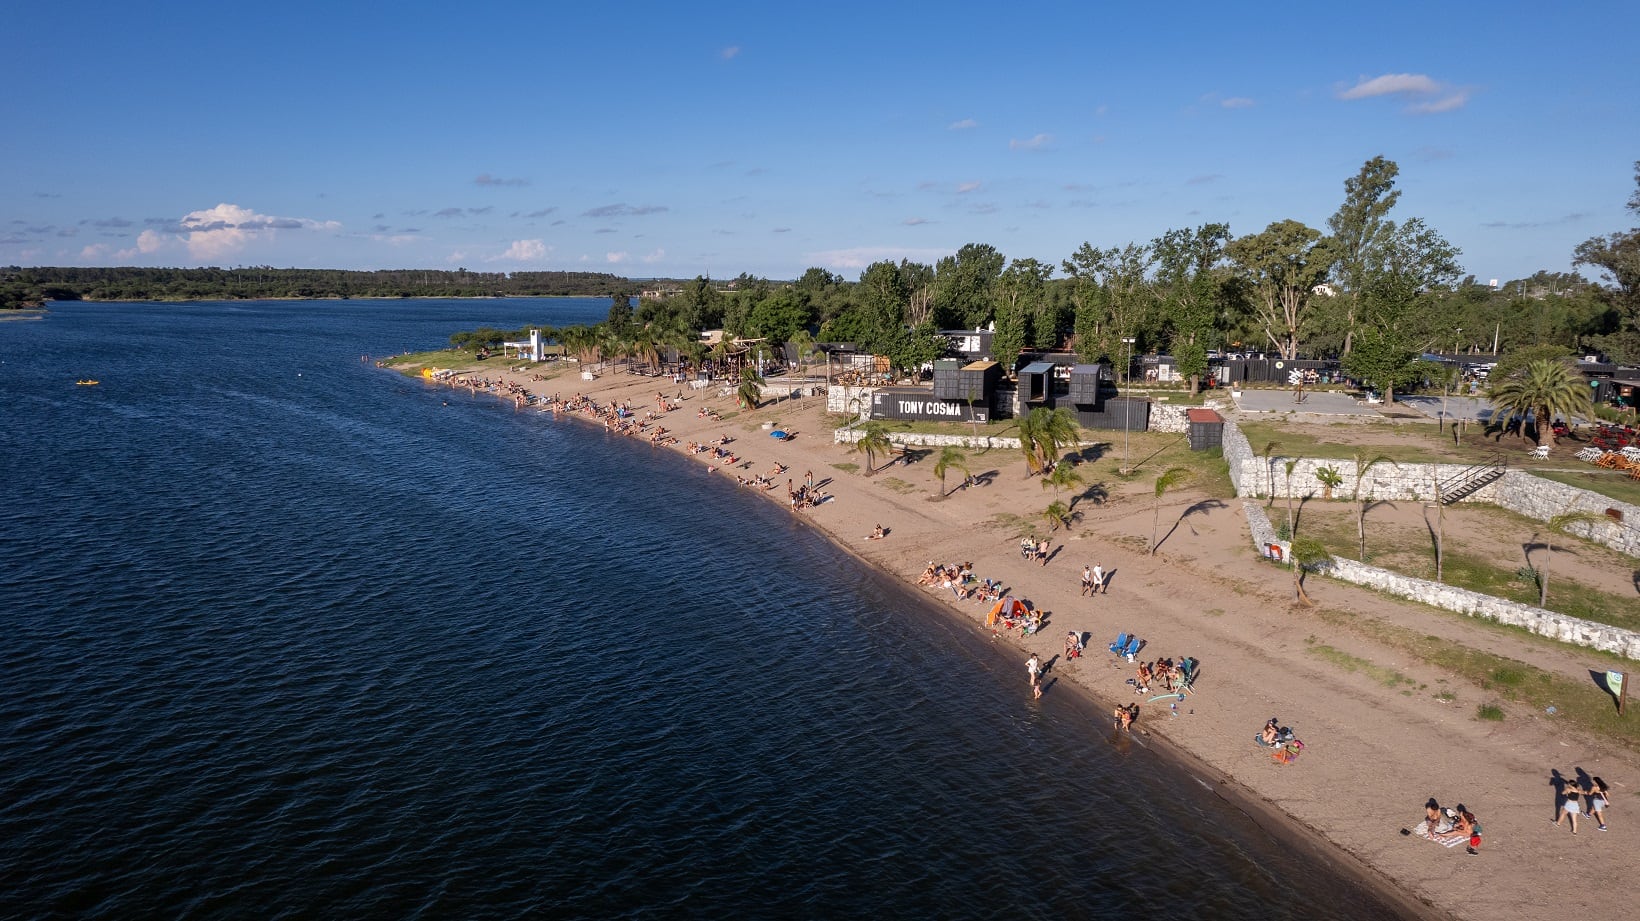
x=20 y=287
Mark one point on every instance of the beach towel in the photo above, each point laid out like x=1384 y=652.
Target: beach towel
x=1422 y=831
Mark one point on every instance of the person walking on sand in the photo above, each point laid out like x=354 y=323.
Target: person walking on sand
x=1087 y=580
x=1597 y=799
x=1099 y=586
x=1033 y=666
x=1042 y=547
x=1567 y=807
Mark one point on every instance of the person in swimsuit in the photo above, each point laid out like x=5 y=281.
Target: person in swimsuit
x=1597 y=798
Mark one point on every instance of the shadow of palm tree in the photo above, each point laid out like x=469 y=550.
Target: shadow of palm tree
x=1099 y=492
x=1200 y=508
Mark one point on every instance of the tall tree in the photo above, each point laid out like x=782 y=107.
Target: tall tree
x=1618 y=256
x=964 y=286
x=882 y=295
x=1190 y=286
x=1359 y=227
x=1112 y=297
x=1283 y=265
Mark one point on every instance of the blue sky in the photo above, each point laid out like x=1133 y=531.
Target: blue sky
x=650 y=139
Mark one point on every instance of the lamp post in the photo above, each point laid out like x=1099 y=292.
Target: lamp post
x=1457 y=339
x=1127 y=366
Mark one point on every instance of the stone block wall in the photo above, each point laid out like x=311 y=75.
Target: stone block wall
x=849 y=434
x=1385 y=480
x=1166 y=417
x=1536 y=497
x=1560 y=627
x=852 y=400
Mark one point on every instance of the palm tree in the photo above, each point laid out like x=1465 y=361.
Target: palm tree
x=950 y=458
x=1305 y=553
x=579 y=340
x=873 y=441
x=1028 y=436
x=748 y=393
x=1559 y=523
x=1057 y=514
x=803 y=344
x=1043 y=433
x=1290 y=465
x=1447 y=376
x=645 y=346
x=1270 y=471
x=1169 y=478
x=1062 y=476
x=1360 y=498
x=1330 y=479
x=1545 y=388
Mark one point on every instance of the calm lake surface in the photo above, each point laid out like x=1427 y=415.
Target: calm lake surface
x=287 y=636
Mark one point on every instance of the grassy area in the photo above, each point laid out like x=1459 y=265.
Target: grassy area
x=1388 y=677
x=1405 y=444
x=1155 y=453
x=1579 y=701
x=899 y=485
x=412 y=362
x=1489 y=576
x=1608 y=483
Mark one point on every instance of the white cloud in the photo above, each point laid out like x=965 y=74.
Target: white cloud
x=1237 y=102
x=964 y=188
x=730 y=53
x=655 y=256
x=962 y=125
x=914 y=221
x=94 y=251
x=1036 y=143
x=224 y=229
x=1444 y=104
x=617 y=258
x=1424 y=94
x=521 y=251
x=1391 y=85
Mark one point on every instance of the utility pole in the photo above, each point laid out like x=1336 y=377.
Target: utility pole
x=1127 y=407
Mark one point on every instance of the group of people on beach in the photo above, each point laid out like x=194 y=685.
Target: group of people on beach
x=1592 y=791
x=1033 y=550
x=1173 y=677
x=1094 y=581
x=1450 y=826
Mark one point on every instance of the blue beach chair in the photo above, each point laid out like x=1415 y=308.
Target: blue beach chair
x=1134 y=644
x=1120 y=644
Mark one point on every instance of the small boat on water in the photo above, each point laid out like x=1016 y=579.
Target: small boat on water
x=88 y=383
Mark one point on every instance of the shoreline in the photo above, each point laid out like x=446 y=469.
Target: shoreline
x=1345 y=803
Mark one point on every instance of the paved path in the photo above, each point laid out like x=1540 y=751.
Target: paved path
x=1325 y=402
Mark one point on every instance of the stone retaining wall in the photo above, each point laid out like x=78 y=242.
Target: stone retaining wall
x=1560 y=627
x=1386 y=480
x=849 y=434
x=1518 y=491
x=1535 y=497
x=843 y=400
x=1166 y=417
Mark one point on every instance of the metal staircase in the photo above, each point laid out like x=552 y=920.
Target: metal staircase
x=1470 y=479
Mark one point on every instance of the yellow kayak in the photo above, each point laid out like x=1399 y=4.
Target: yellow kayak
x=88 y=383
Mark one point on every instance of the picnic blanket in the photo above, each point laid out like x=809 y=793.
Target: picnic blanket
x=1422 y=831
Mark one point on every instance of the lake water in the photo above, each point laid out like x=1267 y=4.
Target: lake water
x=289 y=636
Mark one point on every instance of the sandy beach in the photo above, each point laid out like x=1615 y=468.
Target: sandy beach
x=1375 y=748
